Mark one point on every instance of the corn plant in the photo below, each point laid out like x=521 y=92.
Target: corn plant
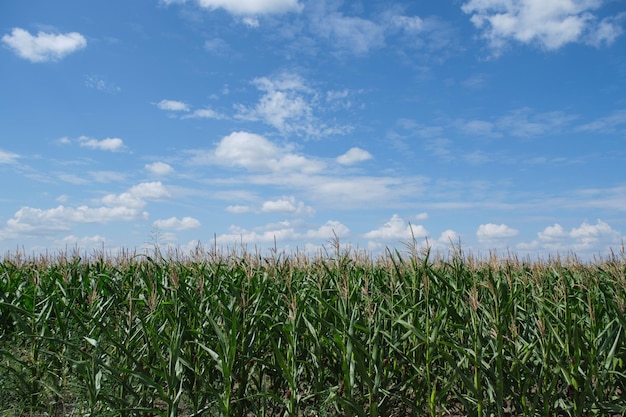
x=235 y=333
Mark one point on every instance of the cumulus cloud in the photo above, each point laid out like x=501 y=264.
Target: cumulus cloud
x=353 y=156
x=174 y=223
x=108 y=144
x=256 y=153
x=44 y=46
x=490 y=232
x=172 y=105
x=585 y=239
x=397 y=229
x=29 y=221
x=159 y=168
x=421 y=216
x=137 y=195
x=287 y=205
x=329 y=231
x=127 y=206
x=267 y=163
x=550 y=24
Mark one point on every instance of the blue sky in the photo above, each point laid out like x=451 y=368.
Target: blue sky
x=500 y=124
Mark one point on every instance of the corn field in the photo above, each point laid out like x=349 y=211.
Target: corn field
x=339 y=334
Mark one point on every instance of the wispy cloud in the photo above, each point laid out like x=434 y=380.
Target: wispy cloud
x=107 y=144
x=100 y=84
x=204 y=114
x=607 y=124
x=175 y=106
x=172 y=105
x=44 y=46
x=8 y=157
x=353 y=34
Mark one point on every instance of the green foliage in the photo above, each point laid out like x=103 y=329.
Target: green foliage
x=341 y=334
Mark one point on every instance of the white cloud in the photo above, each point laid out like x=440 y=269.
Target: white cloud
x=33 y=221
x=83 y=242
x=397 y=229
x=8 y=157
x=329 y=230
x=586 y=239
x=353 y=156
x=108 y=144
x=287 y=205
x=100 y=84
x=237 y=209
x=349 y=33
x=607 y=30
x=552 y=233
x=107 y=176
x=282 y=233
x=172 y=105
x=288 y=104
x=44 y=46
x=522 y=123
x=448 y=237
x=204 y=114
x=421 y=216
x=283 y=103
x=177 y=224
x=409 y=23
x=127 y=206
x=135 y=197
x=607 y=124
x=550 y=24
x=251 y=7
x=159 y=168
x=216 y=45
x=238 y=235
x=251 y=22
x=256 y=153
x=480 y=128
x=489 y=232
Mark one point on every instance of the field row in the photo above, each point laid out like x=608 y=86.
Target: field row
x=339 y=334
